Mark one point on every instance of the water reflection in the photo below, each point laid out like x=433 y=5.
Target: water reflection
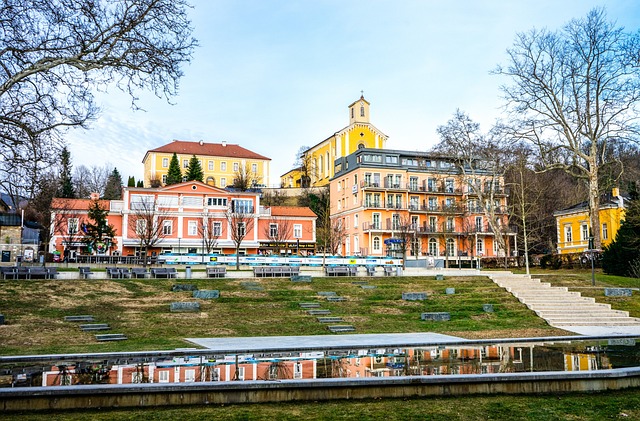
x=383 y=362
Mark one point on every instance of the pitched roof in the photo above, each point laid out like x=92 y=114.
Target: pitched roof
x=607 y=200
x=291 y=211
x=228 y=150
x=59 y=203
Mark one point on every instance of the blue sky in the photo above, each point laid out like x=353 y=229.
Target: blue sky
x=276 y=75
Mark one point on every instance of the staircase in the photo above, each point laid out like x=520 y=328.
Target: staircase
x=560 y=307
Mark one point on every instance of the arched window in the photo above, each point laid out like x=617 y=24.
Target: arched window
x=360 y=145
x=479 y=247
x=362 y=111
x=211 y=181
x=433 y=247
x=376 y=243
x=328 y=163
x=321 y=166
x=451 y=247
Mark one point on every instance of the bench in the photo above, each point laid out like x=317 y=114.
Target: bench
x=113 y=272
x=38 y=272
x=52 y=272
x=216 y=272
x=139 y=273
x=275 y=271
x=389 y=271
x=164 y=273
x=341 y=270
x=371 y=270
x=84 y=272
x=9 y=271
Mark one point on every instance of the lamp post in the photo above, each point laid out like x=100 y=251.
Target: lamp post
x=298 y=247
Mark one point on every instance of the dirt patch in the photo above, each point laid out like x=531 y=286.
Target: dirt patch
x=386 y=310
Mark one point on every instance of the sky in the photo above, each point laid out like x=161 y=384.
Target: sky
x=275 y=75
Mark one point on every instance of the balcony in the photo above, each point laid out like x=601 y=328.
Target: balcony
x=372 y=204
x=371 y=226
x=390 y=185
x=394 y=206
x=371 y=185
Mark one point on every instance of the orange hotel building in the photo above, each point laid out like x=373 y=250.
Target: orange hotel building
x=376 y=191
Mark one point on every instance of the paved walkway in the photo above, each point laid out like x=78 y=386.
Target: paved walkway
x=566 y=309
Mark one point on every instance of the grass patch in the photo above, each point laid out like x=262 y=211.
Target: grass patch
x=139 y=308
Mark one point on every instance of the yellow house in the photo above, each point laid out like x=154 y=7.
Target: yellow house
x=317 y=161
x=220 y=162
x=574 y=227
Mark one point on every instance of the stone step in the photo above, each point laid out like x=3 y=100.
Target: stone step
x=579 y=312
x=568 y=301
x=590 y=323
x=595 y=319
x=545 y=294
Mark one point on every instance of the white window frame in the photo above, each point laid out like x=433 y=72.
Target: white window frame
x=605 y=231
x=223 y=182
x=355 y=221
x=568 y=234
x=165 y=162
x=212 y=165
x=73 y=225
x=273 y=230
x=236 y=166
x=167 y=227
x=584 y=232
x=254 y=168
x=141 y=226
x=479 y=246
x=163 y=376
x=297 y=230
x=217 y=229
x=433 y=247
x=189 y=375
x=192 y=228
x=223 y=166
x=377 y=243
x=185 y=163
x=241 y=229
x=164 y=178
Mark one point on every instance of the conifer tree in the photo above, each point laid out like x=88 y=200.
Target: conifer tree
x=194 y=170
x=622 y=256
x=131 y=182
x=174 y=175
x=140 y=184
x=98 y=232
x=113 y=189
x=66 y=183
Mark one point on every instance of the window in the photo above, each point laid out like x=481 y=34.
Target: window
x=362 y=111
x=390 y=159
x=223 y=182
x=433 y=224
x=73 y=225
x=164 y=178
x=141 y=226
x=192 y=201
x=376 y=243
x=297 y=370
x=273 y=230
x=448 y=185
x=167 y=227
x=375 y=221
x=185 y=163
x=355 y=221
x=478 y=223
x=136 y=378
x=433 y=247
x=223 y=166
x=567 y=234
x=241 y=229
x=240 y=373
x=217 y=201
x=163 y=376
x=165 y=162
x=415 y=221
x=297 y=230
x=479 y=247
x=211 y=166
x=413 y=183
x=189 y=376
x=192 y=228
x=451 y=247
x=605 y=232
x=217 y=229
x=254 y=168
x=242 y=205
x=584 y=232
x=236 y=167
x=395 y=221
x=372 y=158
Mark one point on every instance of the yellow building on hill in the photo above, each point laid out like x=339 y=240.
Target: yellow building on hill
x=220 y=162
x=318 y=161
x=574 y=227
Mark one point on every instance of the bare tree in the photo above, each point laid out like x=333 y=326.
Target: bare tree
x=66 y=224
x=210 y=230
x=405 y=231
x=278 y=231
x=245 y=179
x=147 y=221
x=575 y=94
x=481 y=161
x=55 y=53
x=308 y=172
x=240 y=218
x=92 y=179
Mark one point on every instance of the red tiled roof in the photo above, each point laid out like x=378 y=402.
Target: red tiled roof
x=59 y=203
x=210 y=149
x=291 y=211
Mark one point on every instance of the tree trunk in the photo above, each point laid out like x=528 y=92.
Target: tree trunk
x=594 y=205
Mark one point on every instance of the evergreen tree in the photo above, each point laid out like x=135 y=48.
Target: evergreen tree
x=174 y=175
x=140 y=184
x=66 y=183
x=98 y=232
x=194 y=170
x=619 y=256
x=131 y=182
x=113 y=189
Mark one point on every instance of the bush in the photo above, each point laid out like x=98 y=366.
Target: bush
x=550 y=261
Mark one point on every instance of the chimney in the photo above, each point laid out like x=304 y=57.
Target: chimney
x=224 y=143
x=201 y=142
x=615 y=192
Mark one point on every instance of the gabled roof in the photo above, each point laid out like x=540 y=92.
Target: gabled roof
x=292 y=211
x=60 y=203
x=224 y=149
x=606 y=201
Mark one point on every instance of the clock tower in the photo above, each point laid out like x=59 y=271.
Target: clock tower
x=359 y=111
